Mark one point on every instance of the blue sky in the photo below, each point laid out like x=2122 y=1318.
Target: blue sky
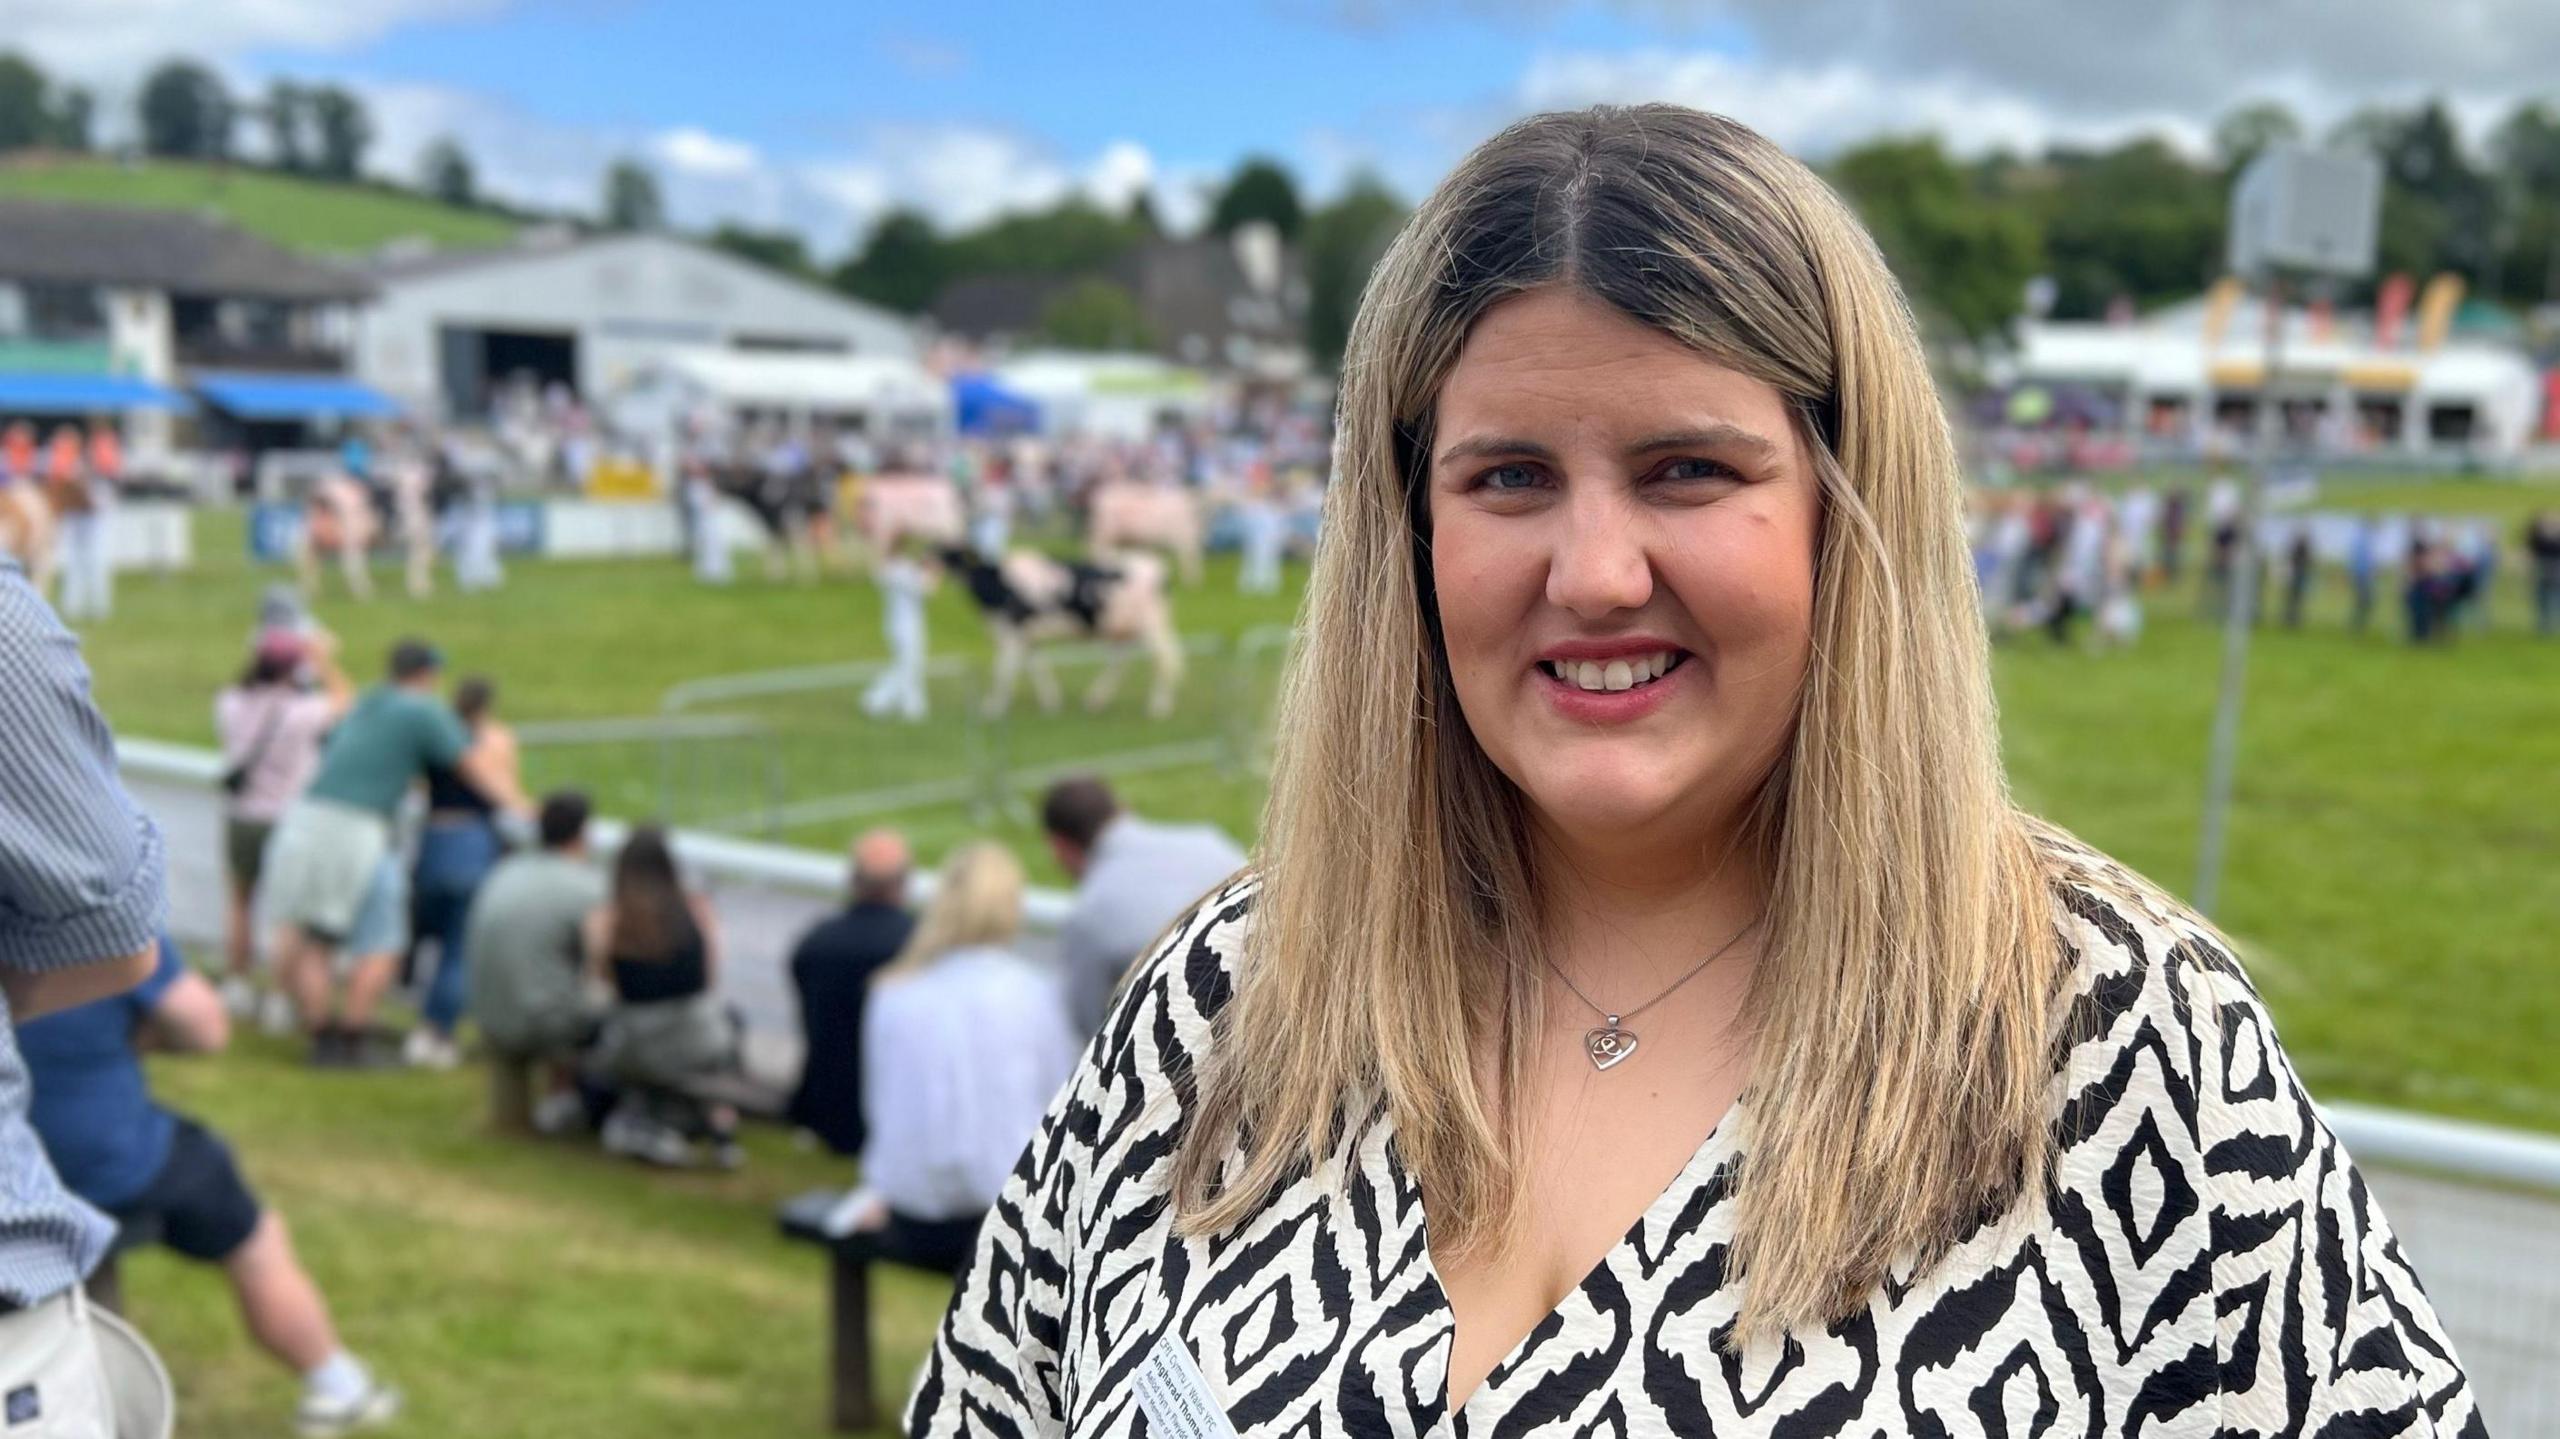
x=823 y=115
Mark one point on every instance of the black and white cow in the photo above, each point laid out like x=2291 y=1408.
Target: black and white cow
x=1030 y=599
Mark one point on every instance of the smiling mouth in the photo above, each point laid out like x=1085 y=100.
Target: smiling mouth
x=1631 y=672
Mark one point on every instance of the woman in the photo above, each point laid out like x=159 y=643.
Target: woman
x=456 y=851
x=964 y=1043
x=1648 y=1014
x=271 y=724
x=656 y=944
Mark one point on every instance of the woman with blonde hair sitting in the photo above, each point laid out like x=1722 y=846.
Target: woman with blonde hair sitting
x=964 y=1043
x=1649 y=1013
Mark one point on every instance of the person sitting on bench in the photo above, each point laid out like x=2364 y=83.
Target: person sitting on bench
x=965 y=1042
x=163 y=1174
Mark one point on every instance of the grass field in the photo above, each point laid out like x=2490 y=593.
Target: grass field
x=303 y=214
x=514 y=1289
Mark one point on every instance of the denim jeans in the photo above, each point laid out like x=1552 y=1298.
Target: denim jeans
x=453 y=859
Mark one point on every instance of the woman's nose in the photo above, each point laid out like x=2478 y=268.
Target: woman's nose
x=1599 y=564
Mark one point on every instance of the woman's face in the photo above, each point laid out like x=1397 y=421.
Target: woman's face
x=1622 y=539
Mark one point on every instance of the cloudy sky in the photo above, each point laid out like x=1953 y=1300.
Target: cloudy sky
x=822 y=113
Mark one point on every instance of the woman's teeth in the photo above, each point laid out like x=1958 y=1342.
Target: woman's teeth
x=1617 y=674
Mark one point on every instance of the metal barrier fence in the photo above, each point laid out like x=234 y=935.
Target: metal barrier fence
x=2476 y=1208
x=818 y=758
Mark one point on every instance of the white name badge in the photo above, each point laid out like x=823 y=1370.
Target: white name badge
x=1175 y=1396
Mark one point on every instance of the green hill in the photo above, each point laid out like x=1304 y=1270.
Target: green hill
x=306 y=214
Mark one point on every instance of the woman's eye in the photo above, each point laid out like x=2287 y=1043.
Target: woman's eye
x=1508 y=477
x=1696 y=470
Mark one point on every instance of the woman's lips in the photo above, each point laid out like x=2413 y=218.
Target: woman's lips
x=1613 y=691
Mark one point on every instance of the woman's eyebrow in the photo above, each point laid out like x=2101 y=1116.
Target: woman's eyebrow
x=1710 y=437
x=1486 y=447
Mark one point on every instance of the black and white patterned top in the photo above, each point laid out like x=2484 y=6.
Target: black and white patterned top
x=2206 y=1261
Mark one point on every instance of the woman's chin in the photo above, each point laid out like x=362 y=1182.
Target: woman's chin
x=1600 y=810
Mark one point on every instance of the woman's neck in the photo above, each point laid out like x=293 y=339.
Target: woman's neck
x=1627 y=914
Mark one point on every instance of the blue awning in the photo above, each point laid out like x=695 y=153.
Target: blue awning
x=985 y=407
x=291 y=397
x=41 y=393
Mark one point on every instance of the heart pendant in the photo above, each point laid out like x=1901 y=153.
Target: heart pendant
x=1609 y=1044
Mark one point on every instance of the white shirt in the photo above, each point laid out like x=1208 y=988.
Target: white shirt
x=959 y=1061
x=1141 y=877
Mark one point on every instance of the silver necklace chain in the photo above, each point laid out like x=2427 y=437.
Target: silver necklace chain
x=1613 y=1041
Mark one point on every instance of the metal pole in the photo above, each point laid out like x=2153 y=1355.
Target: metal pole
x=2224 y=756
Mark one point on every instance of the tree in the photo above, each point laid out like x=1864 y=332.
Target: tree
x=1143 y=217
x=287 y=114
x=777 y=249
x=345 y=131
x=902 y=265
x=74 y=118
x=2140 y=221
x=631 y=198
x=1073 y=237
x=1961 y=258
x=24 y=109
x=1342 y=244
x=2437 y=211
x=1094 y=314
x=186 y=113
x=2525 y=153
x=445 y=172
x=2240 y=135
x=1259 y=190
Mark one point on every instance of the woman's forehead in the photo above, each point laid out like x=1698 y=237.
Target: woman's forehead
x=1555 y=359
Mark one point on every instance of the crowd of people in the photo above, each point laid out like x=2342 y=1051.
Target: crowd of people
x=385 y=832
x=55 y=497
x=2059 y=559
x=363 y=820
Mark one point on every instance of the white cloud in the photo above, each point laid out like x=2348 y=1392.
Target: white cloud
x=1817 y=108
x=963 y=176
x=1117 y=174
x=110 y=42
x=696 y=151
x=518 y=157
x=1822 y=73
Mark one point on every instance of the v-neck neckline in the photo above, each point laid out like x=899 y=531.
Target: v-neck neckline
x=1701 y=1165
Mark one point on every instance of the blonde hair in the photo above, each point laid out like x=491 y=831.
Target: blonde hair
x=977 y=899
x=1904 y=1003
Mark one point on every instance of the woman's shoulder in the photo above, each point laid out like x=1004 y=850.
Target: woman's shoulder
x=1164 y=1018
x=2158 y=1016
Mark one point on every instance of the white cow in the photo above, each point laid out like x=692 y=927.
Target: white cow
x=1030 y=599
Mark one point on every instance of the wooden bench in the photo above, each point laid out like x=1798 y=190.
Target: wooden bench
x=851 y=1406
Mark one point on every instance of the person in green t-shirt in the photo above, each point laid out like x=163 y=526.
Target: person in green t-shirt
x=332 y=878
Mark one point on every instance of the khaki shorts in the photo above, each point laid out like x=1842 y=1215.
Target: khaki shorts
x=321 y=866
x=69 y=1370
x=244 y=848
